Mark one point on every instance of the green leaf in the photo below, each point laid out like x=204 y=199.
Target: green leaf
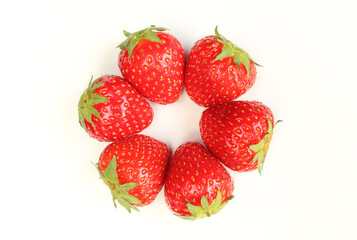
x=279 y=121
x=262 y=147
x=194 y=210
x=256 y=156
x=205 y=210
x=130 y=198
x=204 y=202
x=237 y=58
x=260 y=167
x=115 y=205
x=153 y=27
x=88 y=116
x=97 y=167
x=270 y=127
x=93 y=111
x=131 y=46
x=227 y=51
x=152 y=36
x=94 y=98
x=240 y=56
x=160 y=29
x=246 y=62
x=110 y=173
x=216 y=33
x=257 y=147
x=81 y=122
x=126 y=205
x=96 y=85
x=133 y=38
x=255 y=62
x=126 y=33
x=128 y=186
x=217 y=201
x=119 y=192
x=124 y=44
x=86 y=102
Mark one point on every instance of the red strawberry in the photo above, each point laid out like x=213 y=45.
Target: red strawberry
x=197 y=185
x=110 y=109
x=218 y=71
x=153 y=62
x=238 y=133
x=134 y=169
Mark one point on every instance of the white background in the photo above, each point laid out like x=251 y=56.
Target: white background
x=50 y=49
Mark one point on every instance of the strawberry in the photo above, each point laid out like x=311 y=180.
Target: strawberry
x=134 y=168
x=218 y=71
x=110 y=109
x=238 y=133
x=153 y=62
x=197 y=185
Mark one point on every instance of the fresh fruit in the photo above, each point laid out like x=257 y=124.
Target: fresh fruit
x=110 y=109
x=218 y=71
x=238 y=133
x=197 y=185
x=134 y=168
x=153 y=62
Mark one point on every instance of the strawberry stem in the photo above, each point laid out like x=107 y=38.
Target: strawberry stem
x=87 y=101
x=231 y=50
x=205 y=210
x=133 y=38
x=119 y=191
x=262 y=147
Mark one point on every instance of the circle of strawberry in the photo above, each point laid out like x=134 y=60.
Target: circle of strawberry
x=197 y=185
x=238 y=133
x=218 y=71
x=111 y=109
x=134 y=168
x=153 y=62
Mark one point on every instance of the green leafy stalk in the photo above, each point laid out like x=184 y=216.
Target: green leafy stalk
x=230 y=50
x=87 y=101
x=205 y=210
x=133 y=38
x=261 y=148
x=119 y=191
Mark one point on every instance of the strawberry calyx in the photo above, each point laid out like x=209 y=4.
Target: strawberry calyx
x=119 y=191
x=134 y=38
x=229 y=49
x=87 y=101
x=262 y=147
x=205 y=210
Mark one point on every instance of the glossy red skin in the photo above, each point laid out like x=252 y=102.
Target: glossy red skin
x=230 y=128
x=125 y=114
x=154 y=69
x=141 y=159
x=193 y=173
x=209 y=82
